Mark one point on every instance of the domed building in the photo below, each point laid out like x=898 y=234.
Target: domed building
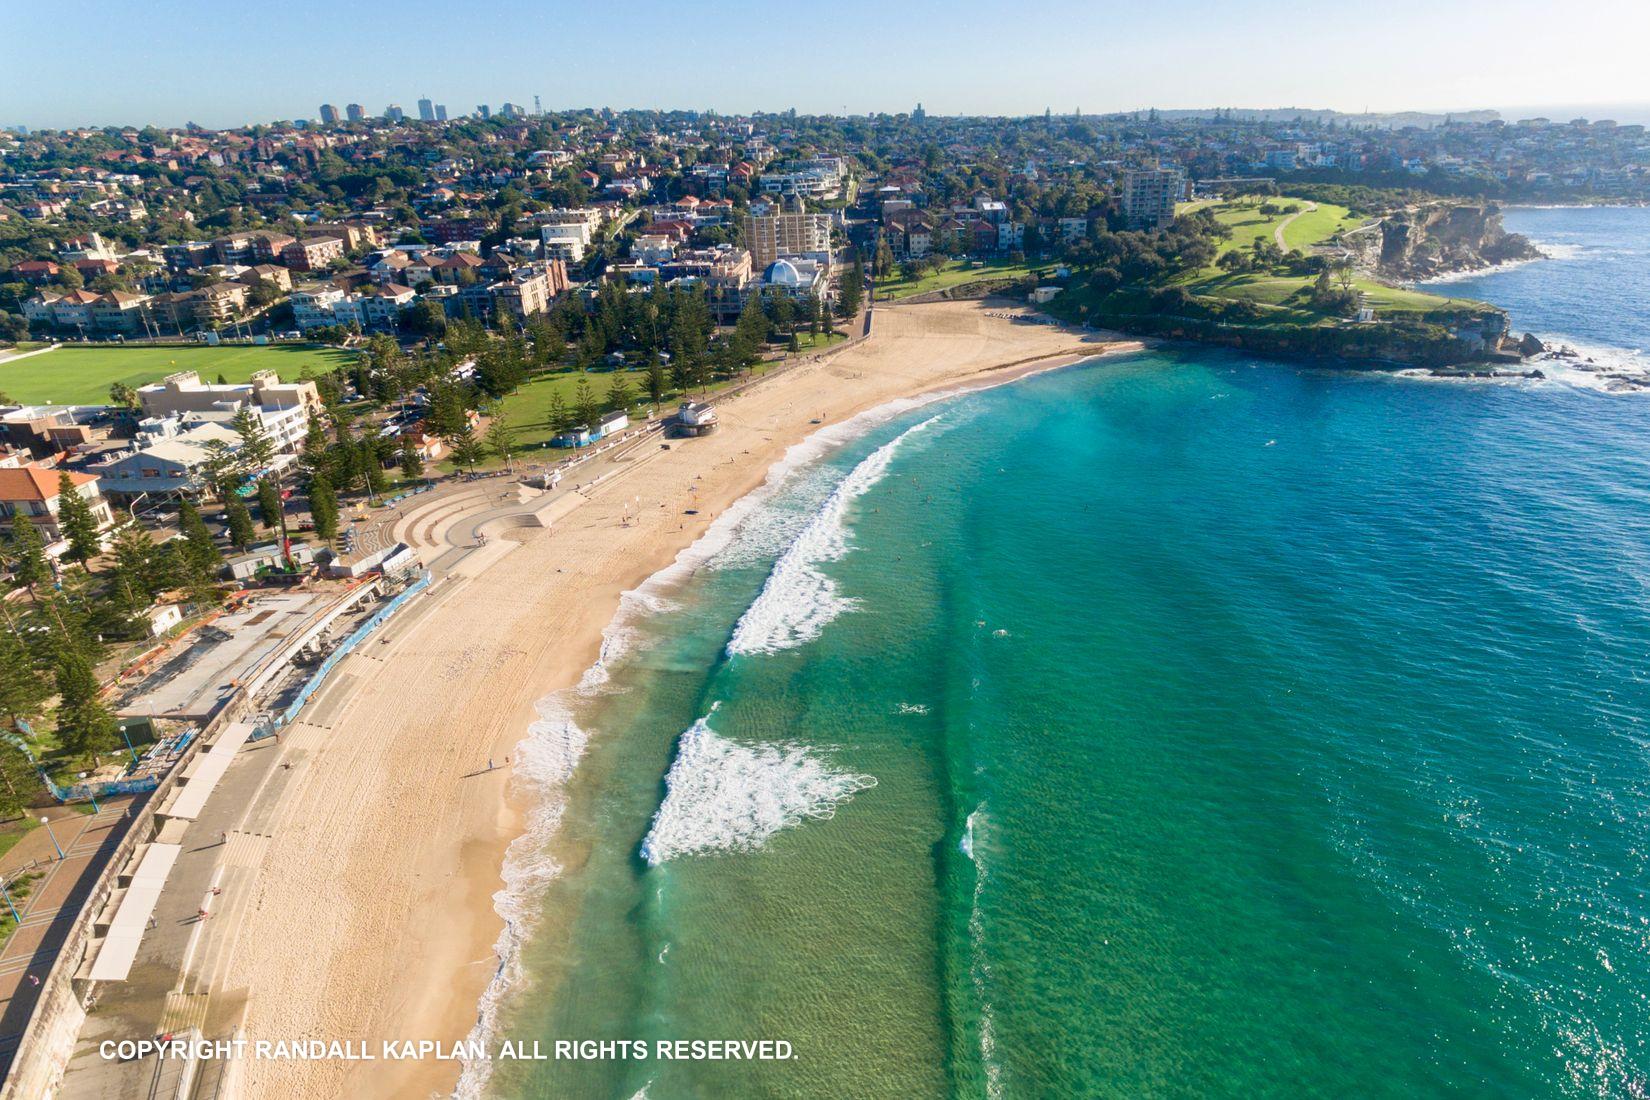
x=794 y=277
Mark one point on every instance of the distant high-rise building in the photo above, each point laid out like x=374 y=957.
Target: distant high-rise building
x=510 y=110
x=919 y=114
x=426 y=110
x=329 y=114
x=1150 y=195
x=394 y=113
x=537 y=109
x=484 y=111
x=441 y=112
x=355 y=112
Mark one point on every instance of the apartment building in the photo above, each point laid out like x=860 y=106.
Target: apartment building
x=284 y=407
x=1150 y=196
x=771 y=236
x=312 y=253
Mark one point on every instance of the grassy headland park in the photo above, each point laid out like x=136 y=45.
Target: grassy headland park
x=1272 y=274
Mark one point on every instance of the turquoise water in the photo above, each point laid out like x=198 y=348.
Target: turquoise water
x=1173 y=725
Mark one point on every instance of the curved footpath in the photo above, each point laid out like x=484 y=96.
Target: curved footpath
x=362 y=908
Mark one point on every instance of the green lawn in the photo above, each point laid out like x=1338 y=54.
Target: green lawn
x=1248 y=224
x=1318 y=225
x=1311 y=227
x=74 y=375
x=957 y=273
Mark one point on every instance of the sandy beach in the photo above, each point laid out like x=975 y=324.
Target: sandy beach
x=372 y=914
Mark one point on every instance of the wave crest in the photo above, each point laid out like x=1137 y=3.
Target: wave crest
x=798 y=599
x=721 y=796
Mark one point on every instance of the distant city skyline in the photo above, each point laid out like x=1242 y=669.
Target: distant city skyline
x=738 y=57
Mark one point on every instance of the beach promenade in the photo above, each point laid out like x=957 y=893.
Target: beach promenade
x=357 y=884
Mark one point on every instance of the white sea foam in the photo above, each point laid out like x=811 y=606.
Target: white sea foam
x=911 y=708
x=979 y=966
x=722 y=796
x=966 y=844
x=544 y=761
x=1550 y=250
x=546 y=758
x=798 y=599
x=1596 y=367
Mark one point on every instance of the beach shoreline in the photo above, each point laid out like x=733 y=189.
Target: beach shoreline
x=394 y=868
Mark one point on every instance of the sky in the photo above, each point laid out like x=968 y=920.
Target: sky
x=167 y=62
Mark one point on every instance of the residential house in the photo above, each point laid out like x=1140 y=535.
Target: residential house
x=32 y=493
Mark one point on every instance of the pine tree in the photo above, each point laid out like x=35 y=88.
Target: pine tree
x=412 y=462
x=317 y=456
x=371 y=468
x=323 y=508
x=557 y=414
x=585 y=408
x=74 y=516
x=851 y=290
x=134 y=576
x=23 y=691
x=241 y=532
x=19 y=779
x=467 y=450
x=619 y=394
x=269 y=504
x=501 y=437
x=202 y=551
x=656 y=383
x=84 y=725
x=27 y=554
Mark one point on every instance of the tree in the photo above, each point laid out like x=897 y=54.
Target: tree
x=557 y=414
x=655 y=383
x=257 y=450
x=202 y=549
x=84 y=725
x=411 y=460
x=619 y=394
x=135 y=576
x=467 y=449
x=23 y=691
x=79 y=525
x=241 y=532
x=270 y=511
x=501 y=437
x=851 y=290
x=19 y=781
x=27 y=553
x=585 y=408
x=124 y=396
x=323 y=507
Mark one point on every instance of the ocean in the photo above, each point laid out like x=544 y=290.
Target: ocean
x=1174 y=724
x=1589 y=296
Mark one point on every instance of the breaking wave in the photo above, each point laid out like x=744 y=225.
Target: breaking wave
x=798 y=599
x=545 y=760
x=721 y=796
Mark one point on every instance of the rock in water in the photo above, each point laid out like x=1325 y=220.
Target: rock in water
x=1530 y=345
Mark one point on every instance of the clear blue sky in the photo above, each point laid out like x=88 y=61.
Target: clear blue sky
x=72 y=62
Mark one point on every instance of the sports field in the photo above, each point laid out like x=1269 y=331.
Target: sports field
x=73 y=375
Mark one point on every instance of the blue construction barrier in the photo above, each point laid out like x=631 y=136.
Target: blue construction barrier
x=356 y=637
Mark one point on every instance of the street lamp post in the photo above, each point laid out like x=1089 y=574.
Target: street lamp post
x=47 y=822
x=128 y=739
x=11 y=905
